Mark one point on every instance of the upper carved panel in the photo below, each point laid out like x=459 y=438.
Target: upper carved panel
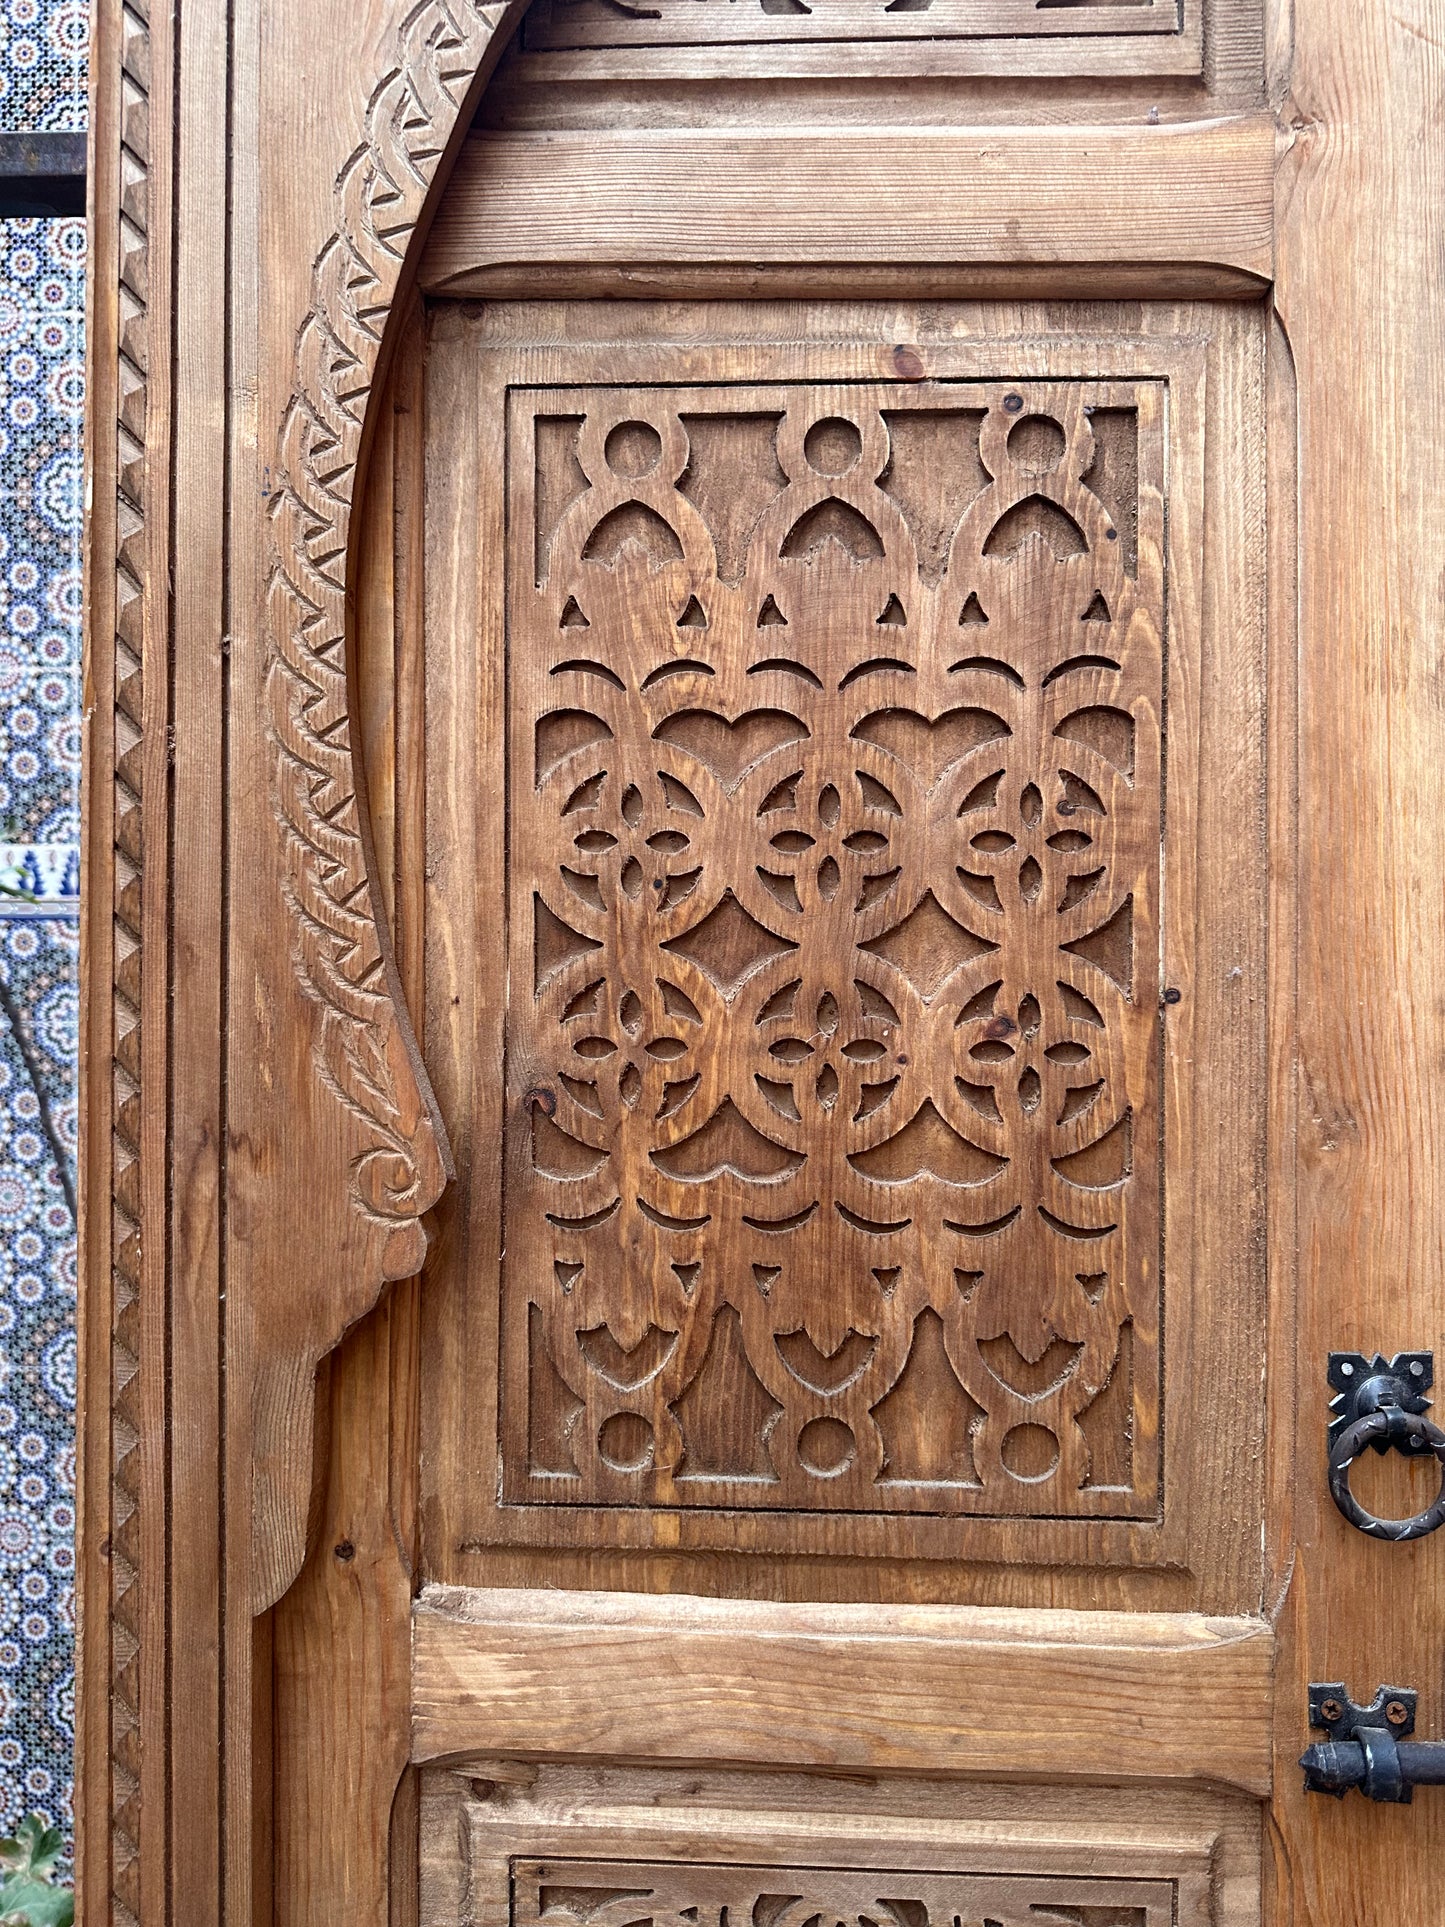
x=601 y=39
x=833 y=1034
x=553 y=24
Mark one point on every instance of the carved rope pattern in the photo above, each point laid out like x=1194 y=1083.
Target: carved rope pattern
x=127 y=1419
x=362 y=1042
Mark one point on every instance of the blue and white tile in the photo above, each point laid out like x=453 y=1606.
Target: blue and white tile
x=43 y=45
x=38 y=1117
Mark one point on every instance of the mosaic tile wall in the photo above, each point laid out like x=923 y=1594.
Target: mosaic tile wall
x=42 y=300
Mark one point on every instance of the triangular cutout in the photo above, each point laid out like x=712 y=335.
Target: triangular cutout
x=770 y=616
x=893 y=616
x=926 y=1422
x=972 y=611
x=572 y=616
x=726 y=1414
x=927 y=1145
x=693 y=616
x=1110 y=948
x=1098 y=610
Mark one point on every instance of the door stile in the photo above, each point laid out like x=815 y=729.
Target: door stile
x=1358 y=296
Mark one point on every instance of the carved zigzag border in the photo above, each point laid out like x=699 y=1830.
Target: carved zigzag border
x=129 y=1415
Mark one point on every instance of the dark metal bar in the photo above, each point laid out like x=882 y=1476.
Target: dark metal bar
x=41 y=174
x=1334 y=1766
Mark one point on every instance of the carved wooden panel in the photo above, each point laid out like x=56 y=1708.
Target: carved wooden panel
x=837 y=747
x=653 y=23
x=834 y=835
x=618 y=40
x=580 y=1893
x=510 y=1845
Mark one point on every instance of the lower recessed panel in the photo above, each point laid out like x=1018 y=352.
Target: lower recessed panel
x=582 y=1893
x=508 y=1844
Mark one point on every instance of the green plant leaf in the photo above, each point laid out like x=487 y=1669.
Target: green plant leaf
x=35 y=1903
x=28 y=1896
x=33 y=1850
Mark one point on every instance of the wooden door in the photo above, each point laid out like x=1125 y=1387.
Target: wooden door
x=813 y=956
x=760 y=963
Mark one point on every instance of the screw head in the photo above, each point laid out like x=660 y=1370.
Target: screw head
x=1331 y=1710
x=1347 y=1371
x=1397 y=1713
x=1013 y=403
x=1417 y=1370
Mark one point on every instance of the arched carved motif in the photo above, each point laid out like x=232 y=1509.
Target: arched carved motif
x=363 y=1051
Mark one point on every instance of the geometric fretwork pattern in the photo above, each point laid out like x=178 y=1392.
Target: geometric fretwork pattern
x=571 y=1893
x=835 y=721
x=570 y=25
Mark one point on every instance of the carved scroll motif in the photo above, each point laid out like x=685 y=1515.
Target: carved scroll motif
x=364 y=1050
x=582 y=1894
x=835 y=806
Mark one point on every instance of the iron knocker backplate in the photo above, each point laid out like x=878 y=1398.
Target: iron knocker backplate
x=1383 y=1405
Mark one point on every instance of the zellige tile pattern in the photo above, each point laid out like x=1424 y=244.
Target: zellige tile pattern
x=42 y=396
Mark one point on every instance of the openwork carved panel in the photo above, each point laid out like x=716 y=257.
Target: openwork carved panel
x=835 y=725
x=616 y=39
x=579 y=1893
x=648 y=1847
x=653 y=23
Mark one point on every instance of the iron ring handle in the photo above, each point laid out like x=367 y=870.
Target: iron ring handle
x=1396 y=1426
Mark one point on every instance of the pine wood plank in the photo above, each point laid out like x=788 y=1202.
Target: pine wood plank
x=1198 y=193
x=1358 y=409
x=1057 y=1695
x=578 y=24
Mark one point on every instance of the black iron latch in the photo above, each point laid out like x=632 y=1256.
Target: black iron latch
x=1369 y=1746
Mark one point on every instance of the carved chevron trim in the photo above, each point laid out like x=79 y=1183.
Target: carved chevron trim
x=364 y=1050
x=130 y=1580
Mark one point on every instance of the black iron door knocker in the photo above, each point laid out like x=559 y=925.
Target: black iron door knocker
x=1382 y=1405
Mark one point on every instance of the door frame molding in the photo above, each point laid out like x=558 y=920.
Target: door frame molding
x=160 y=118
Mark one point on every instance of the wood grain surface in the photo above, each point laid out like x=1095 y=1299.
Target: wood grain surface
x=1004 y=1846
x=586 y=23
x=658 y=1318
x=1360 y=400
x=1057 y=1696
x=1192 y=194
x=254 y=930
